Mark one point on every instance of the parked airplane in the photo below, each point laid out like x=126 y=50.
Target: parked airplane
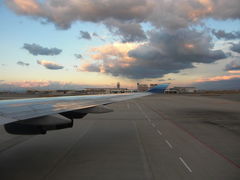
x=39 y=115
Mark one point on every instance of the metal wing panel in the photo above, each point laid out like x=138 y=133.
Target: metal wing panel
x=14 y=110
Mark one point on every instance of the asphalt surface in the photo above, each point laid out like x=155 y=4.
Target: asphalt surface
x=156 y=137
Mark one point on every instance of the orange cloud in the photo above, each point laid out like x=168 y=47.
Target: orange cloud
x=86 y=67
x=234 y=71
x=27 y=6
x=50 y=65
x=189 y=46
x=195 y=14
x=29 y=84
x=218 y=78
x=109 y=56
x=113 y=51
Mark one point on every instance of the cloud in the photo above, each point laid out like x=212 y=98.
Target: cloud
x=36 y=49
x=183 y=13
x=128 y=32
x=227 y=36
x=50 y=65
x=233 y=65
x=160 y=13
x=20 y=63
x=170 y=52
x=64 y=13
x=97 y=36
x=234 y=71
x=169 y=79
x=235 y=47
x=218 y=78
x=41 y=85
x=85 y=35
x=89 y=68
x=167 y=52
x=220 y=84
x=78 y=56
x=107 y=57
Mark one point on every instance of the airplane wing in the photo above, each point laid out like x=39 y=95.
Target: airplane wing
x=38 y=115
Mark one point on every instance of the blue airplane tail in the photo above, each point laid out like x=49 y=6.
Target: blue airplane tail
x=159 y=88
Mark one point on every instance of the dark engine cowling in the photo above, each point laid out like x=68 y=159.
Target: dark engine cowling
x=38 y=125
x=43 y=124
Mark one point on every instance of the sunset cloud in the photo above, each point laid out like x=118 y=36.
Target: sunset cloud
x=128 y=32
x=85 y=35
x=29 y=84
x=40 y=85
x=36 y=49
x=107 y=57
x=226 y=35
x=233 y=65
x=78 y=56
x=166 y=52
x=160 y=13
x=218 y=78
x=235 y=47
x=21 y=63
x=50 y=65
x=28 y=7
x=234 y=72
x=221 y=84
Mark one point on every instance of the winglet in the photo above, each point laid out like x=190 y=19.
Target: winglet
x=159 y=88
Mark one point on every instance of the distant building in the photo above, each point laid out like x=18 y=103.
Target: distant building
x=118 y=85
x=142 y=87
x=181 y=90
x=105 y=90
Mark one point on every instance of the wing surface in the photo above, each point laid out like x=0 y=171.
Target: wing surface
x=16 y=110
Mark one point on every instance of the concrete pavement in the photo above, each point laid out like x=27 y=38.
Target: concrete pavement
x=155 y=137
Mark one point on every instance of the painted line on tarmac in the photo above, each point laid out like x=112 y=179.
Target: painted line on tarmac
x=159 y=132
x=146 y=116
x=161 y=114
x=168 y=143
x=185 y=164
x=139 y=107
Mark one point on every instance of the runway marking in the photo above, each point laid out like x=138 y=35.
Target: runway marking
x=185 y=164
x=139 y=107
x=144 y=156
x=153 y=125
x=168 y=143
x=196 y=138
x=159 y=132
x=149 y=120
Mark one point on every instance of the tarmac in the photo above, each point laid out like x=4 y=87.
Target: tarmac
x=169 y=137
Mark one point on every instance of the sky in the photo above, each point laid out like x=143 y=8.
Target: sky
x=58 y=44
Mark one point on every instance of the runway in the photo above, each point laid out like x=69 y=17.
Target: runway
x=151 y=138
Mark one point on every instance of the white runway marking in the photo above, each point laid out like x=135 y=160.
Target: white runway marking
x=168 y=143
x=185 y=164
x=149 y=120
x=139 y=107
x=159 y=132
